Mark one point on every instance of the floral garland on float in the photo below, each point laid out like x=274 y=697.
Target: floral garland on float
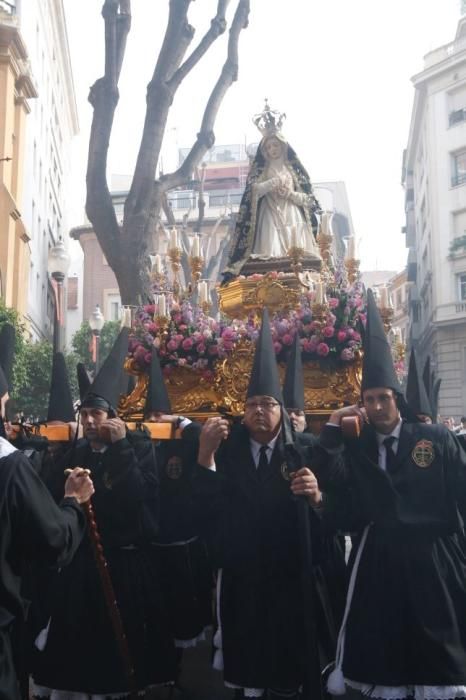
x=328 y=324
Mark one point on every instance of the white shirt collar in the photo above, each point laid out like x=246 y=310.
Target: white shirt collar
x=395 y=433
x=256 y=446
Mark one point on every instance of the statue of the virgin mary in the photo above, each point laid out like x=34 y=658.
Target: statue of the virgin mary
x=278 y=208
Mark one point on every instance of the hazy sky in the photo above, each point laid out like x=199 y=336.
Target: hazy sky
x=340 y=69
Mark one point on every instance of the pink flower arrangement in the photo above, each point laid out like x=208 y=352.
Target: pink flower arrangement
x=195 y=340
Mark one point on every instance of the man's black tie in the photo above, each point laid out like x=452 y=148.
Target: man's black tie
x=390 y=461
x=263 y=466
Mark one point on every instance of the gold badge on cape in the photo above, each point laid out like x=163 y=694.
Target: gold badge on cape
x=284 y=471
x=423 y=453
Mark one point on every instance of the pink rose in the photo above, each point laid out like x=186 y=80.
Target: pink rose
x=287 y=339
x=341 y=336
x=228 y=345
x=328 y=331
x=172 y=345
x=148 y=358
x=356 y=336
x=201 y=348
x=278 y=347
x=347 y=355
x=150 y=309
x=332 y=303
x=187 y=344
x=228 y=334
x=323 y=349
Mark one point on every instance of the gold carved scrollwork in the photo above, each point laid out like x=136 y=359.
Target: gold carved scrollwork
x=232 y=377
x=244 y=296
x=326 y=387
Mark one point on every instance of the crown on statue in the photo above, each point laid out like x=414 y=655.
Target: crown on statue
x=269 y=121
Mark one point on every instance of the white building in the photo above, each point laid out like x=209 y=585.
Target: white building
x=434 y=177
x=51 y=127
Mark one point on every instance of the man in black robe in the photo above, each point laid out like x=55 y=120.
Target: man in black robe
x=32 y=529
x=179 y=551
x=251 y=523
x=126 y=511
x=398 y=487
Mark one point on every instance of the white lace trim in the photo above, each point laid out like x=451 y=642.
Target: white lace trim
x=247 y=692
x=409 y=692
x=191 y=643
x=50 y=694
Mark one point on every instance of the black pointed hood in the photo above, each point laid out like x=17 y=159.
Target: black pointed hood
x=377 y=367
x=60 y=401
x=107 y=386
x=157 y=399
x=264 y=380
x=83 y=380
x=293 y=386
x=7 y=356
x=416 y=394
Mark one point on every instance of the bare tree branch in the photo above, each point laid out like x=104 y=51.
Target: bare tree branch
x=103 y=97
x=217 y=27
x=205 y=138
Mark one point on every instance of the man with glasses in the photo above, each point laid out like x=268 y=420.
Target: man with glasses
x=248 y=500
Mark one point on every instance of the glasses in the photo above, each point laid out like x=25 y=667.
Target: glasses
x=265 y=405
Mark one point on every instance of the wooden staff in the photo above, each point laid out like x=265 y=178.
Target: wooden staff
x=109 y=594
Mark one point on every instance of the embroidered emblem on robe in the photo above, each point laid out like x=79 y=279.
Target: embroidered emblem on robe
x=423 y=453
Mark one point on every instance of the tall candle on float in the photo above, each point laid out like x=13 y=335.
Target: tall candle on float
x=157 y=263
x=196 y=248
x=162 y=305
x=351 y=249
x=319 y=298
x=173 y=238
x=384 y=298
x=203 y=292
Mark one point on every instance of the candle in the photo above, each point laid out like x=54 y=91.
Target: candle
x=157 y=263
x=324 y=223
x=351 y=249
x=173 y=238
x=319 y=288
x=162 y=305
x=384 y=300
x=203 y=292
x=195 y=249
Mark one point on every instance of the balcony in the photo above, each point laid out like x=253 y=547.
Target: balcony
x=458 y=179
x=8 y=7
x=453 y=312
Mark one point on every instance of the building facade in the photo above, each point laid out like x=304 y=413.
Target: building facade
x=52 y=125
x=434 y=178
x=17 y=90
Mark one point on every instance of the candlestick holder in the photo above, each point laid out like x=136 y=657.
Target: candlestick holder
x=387 y=317
x=319 y=313
x=158 y=279
x=196 y=263
x=296 y=253
x=325 y=243
x=352 y=269
x=175 y=259
x=206 y=307
x=163 y=323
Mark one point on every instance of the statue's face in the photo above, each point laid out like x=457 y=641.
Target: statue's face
x=273 y=148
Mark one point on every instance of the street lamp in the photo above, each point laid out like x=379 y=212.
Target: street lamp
x=58 y=264
x=96 y=323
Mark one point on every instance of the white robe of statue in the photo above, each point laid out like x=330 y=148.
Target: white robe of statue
x=280 y=223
